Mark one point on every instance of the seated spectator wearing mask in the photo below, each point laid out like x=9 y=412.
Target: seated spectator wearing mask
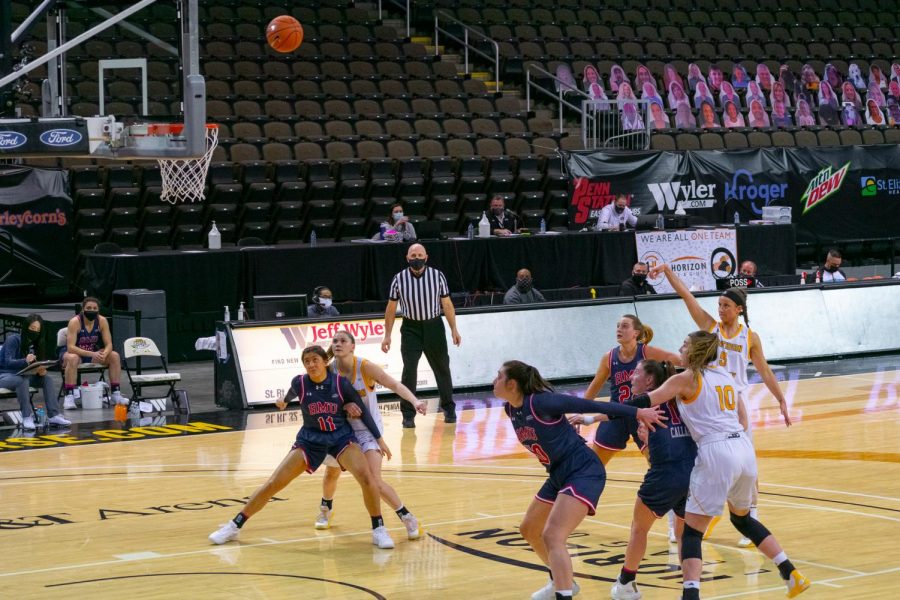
x=523 y=292
x=503 y=222
x=637 y=285
x=399 y=223
x=616 y=215
x=321 y=306
x=748 y=269
x=831 y=270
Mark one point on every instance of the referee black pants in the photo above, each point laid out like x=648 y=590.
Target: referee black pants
x=429 y=337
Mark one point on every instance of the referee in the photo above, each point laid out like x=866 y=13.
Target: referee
x=422 y=292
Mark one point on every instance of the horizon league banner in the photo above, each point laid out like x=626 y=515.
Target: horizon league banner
x=698 y=256
x=269 y=356
x=36 y=218
x=834 y=193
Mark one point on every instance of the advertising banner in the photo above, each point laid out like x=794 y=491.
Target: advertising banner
x=55 y=137
x=698 y=256
x=844 y=192
x=35 y=226
x=269 y=355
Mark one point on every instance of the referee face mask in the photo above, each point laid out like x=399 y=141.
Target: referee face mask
x=417 y=264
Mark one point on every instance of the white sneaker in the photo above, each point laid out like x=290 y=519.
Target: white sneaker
x=625 y=591
x=744 y=542
x=69 y=402
x=28 y=423
x=548 y=592
x=381 y=538
x=323 y=521
x=60 y=421
x=118 y=398
x=672 y=538
x=413 y=530
x=227 y=532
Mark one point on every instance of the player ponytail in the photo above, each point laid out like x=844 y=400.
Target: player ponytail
x=703 y=349
x=739 y=297
x=658 y=371
x=645 y=332
x=528 y=378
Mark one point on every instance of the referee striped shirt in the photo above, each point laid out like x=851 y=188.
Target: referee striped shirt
x=419 y=297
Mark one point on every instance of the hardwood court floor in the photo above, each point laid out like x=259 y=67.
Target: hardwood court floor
x=131 y=519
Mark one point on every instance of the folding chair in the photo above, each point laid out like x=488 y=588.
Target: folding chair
x=144 y=347
x=83 y=368
x=14 y=417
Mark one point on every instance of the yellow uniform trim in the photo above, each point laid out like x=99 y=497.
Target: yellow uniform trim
x=696 y=391
x=729 y=337
x=369 y=383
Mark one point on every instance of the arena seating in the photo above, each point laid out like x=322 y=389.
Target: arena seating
x=324 y=139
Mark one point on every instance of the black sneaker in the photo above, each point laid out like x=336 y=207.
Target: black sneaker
x=449 y=417
x=409 y=422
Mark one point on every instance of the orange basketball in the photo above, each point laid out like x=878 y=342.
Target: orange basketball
x=284 y=33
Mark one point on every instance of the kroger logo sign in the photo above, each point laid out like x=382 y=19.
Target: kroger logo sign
x=11 y=139
x=741 y=187
x=61 y=137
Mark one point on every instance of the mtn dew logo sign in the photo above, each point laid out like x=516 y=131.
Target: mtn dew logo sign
x=823 y=186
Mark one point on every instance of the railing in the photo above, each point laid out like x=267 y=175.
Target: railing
x=403 y=5
x=438 y=15
x=562 y=88
x=605 y=126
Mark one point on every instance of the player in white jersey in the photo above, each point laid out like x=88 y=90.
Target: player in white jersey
x=364 y=374
x=738 y=347
x=712 y=409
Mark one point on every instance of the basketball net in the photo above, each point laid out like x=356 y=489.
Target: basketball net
x=184 y=179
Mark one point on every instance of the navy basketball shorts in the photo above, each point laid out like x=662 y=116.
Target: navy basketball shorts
x=614 y=434
x=582 y=478
x=316 y=445
x=665 y=487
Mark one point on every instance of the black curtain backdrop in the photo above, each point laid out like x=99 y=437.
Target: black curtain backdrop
x=827 y=201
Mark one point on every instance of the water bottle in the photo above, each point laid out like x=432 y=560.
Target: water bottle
x=484 y=226
x=214 y=238
x=312 y=238
x=40 y=415
x=803 y=278
x=660 y=222
x=242 y=312
x=382 y=229
x=543 y=225
x=227 y=314
x=470 y=232
x=737 y=218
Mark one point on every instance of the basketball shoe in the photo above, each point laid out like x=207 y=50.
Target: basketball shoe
x=323 y=521
x=797 y=584
x=227 y=532
x=625 y=591
x=381 y=538
x=413 y=530
x=548 y=592
x=69 y=402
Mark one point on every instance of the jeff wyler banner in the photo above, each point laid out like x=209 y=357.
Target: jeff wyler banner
x=698 y=256
x=834 y=193
x=269 y=355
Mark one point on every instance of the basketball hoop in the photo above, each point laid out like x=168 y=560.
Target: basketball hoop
x=183 y=179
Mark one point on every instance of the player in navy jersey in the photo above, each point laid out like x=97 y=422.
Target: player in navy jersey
x=576 y=478
x=323 y=396
x=671 y=452
x=617 y=365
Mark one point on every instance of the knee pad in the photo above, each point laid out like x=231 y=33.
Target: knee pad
x=691 y=540
x=750 y=528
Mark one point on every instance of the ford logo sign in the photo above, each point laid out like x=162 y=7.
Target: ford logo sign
x=61 y=137
x=12 y=139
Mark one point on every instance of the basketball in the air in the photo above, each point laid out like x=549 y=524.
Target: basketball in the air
x=284 y=33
